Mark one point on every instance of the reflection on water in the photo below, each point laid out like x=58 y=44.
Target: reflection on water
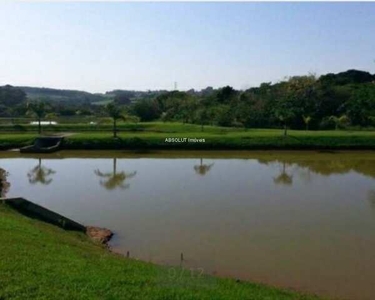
x=327 y=166
x=114 y=180
x=284 y=177
x=202 y=169
x=4 y=184
x=40 y=174
x=294 y=219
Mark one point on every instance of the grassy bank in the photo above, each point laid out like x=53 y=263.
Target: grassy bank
x=154 y=135
x=15 y=140
x=40 y=261
x=226 y=141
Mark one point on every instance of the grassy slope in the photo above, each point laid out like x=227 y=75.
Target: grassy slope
x=40 y=261
x=152 y=136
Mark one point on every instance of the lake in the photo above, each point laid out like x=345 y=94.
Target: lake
x=302 y=220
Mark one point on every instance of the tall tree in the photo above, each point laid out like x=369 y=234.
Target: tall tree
x=284 y=112
x=39 y=109
x=115 y=113
x=202 y=116
x=306 y=120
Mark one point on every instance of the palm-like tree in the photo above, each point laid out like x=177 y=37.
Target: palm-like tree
x=203 y=117
x=39 y=109
x=284 y=177
x=306 y=120
x=114 y=179
x=4 y=184
x=284 y=116
x=202 y=169
x=340 y=121
x=115 y=113
x=50 y=116
x=40 y=174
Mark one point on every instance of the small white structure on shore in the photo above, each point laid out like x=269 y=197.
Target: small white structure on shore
x=43 y=123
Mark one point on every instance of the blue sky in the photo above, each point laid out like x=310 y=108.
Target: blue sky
x=103 y=46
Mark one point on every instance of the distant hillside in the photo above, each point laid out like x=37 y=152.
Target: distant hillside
x=347 y=77
x=75 y=96
x=135 y=95
x=62 y=95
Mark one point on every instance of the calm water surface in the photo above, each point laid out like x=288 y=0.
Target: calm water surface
x=304 y=220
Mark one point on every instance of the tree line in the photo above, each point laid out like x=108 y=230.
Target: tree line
x=299 y=102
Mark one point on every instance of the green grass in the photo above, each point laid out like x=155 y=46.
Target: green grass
x=234 y=140
x=15 y=140
x=41 y=261
x=152 y=136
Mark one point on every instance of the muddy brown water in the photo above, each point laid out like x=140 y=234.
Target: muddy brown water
x=302 y=220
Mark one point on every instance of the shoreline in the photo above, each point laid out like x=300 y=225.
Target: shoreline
x=278 y=154
x=157 y=142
